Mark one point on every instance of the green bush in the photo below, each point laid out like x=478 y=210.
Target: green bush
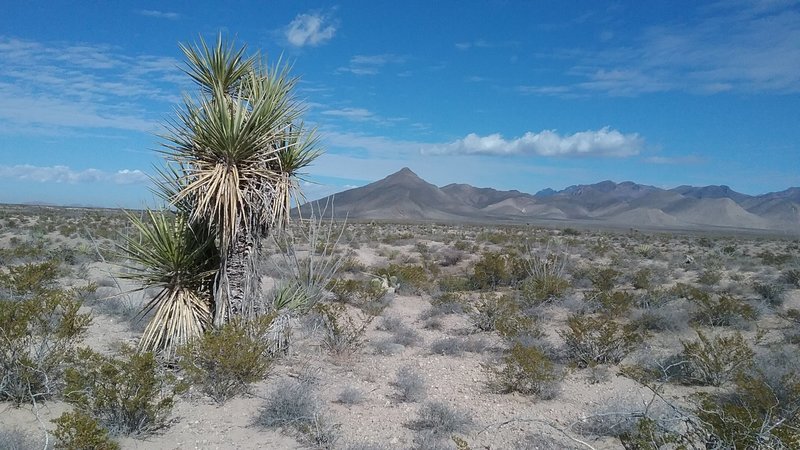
x=605 y=278
x=492 y=270
x=715 y=361
x=365 y=295
x=598 y=340
x=412 y=278
x=642 y=278
x=343 y=334
x=224 y=362
x=771 y=292
x=792 y=276
x=38 y=336
x=613 y=303
x=78 y=431
x=502 y=313
x=753 y=415
x=25 y=280
x=527 y=370
x=720 y=310
x=126 y=395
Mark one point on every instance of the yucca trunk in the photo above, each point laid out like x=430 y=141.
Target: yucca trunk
x=238 y=284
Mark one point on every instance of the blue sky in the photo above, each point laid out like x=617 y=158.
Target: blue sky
x=512 y=95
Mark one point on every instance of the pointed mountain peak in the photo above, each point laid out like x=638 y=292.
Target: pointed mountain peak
x=404 y=174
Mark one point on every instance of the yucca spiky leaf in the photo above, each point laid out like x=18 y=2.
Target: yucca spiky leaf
x=220 y=68
x=300 y=151
x=180 y=260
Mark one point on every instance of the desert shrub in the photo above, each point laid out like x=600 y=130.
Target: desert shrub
x=772 y=259
x=503 y=314
x=636 y=425
x=709 y=277
x=440 y=420
x=715 y=361
x=456 y=346
x=527 y=370
x=401 y=333
x=598 y=340
x=225 y=361
x=368 y=296
x=611 y=302
x=792 y=276
x=546 y=275
x=126 y=395
x=410 y=385
x=412 y=278
x=405 y=336
x=350 y=396
x=642 y=278
x=78 y=431
x=25 y=280
x=454 y=284
x=38 y=336
x=669 y=317
x=13 y=439
x=387 y=347
x=343 y=334
x=720 y=310
x=294 y=405
x=771 y=292
x=604 y=278
x=751 y=415
x=493 y=269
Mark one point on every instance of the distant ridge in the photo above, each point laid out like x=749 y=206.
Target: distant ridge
x=405 y=196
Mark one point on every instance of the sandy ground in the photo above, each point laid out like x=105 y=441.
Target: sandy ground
x=499 y=421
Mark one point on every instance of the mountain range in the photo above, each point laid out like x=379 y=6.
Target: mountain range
x=407 y=197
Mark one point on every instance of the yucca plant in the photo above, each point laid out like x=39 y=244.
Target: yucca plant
x=236 y=154
x=181 y=260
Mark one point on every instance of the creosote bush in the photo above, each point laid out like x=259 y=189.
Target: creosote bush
x=224 y=362
x=715 y=361
x=78 y=431
x=527 y=370
x=502 y=313
x=343 y=334
x=38 y=336
x=598 y=340
x=126 y=395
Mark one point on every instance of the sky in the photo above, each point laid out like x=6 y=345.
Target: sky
x=506 y=94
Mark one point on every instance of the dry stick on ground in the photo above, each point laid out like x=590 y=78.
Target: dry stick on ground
x=543 y=422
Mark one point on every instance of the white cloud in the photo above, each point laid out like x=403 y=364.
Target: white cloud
x=729 y=46
x=64 y=174
x=159 y=14
x=60 y=86
x=371 y=64
x=356 y=114
x=604 y=142
x=310 y=29
x=674 y=160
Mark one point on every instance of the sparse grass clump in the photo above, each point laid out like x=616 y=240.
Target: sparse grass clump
x=224 y=362
x=440 y=420
x=294 y=405
x=410 y=385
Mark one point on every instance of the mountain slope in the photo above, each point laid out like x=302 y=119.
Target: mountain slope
x=405 y=196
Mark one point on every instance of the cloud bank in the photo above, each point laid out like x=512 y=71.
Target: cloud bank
x=604 y=142
x=64 y=174
x=309 y=30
